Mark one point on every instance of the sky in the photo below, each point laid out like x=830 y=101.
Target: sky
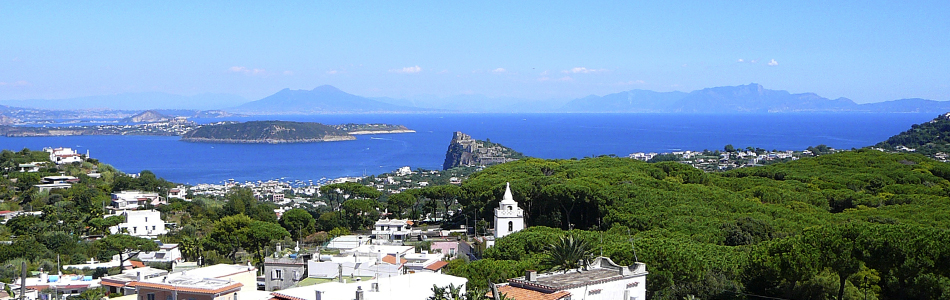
x=868 y=51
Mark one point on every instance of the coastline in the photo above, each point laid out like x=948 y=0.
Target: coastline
x=381 y=131
x=268 y=141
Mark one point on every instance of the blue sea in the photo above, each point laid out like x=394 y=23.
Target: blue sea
x=538 y=135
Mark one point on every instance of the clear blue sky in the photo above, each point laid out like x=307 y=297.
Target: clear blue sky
x=868 y=51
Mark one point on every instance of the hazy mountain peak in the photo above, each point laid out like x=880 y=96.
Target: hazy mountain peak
x=326 y=88
x=321 y=100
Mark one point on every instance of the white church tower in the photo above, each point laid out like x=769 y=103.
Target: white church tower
x=509 y=218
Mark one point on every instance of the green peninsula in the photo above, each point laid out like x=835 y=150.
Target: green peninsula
x=266 y=132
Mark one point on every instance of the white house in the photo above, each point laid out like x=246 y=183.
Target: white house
x=135 y=199
x=392 y=230
x=30 y=167
x=403 y=171
x=166 y=253
x=602 y=279
x=143 y=223
x=178 y=192
x=63 y=155
x=509 y=218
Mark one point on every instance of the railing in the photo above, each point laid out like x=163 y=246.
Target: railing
x=509 y=213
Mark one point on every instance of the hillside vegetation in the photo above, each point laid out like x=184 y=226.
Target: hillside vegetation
x=809 y=229
x=266 y=132
x=926 y=138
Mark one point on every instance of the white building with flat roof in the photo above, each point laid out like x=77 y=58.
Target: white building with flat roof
x=217 y=282
x=142 y=223
x=167 y=253
x=135 y=199
x=602 y=279
x=417 y=286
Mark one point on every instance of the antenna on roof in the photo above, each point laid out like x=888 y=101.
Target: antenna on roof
x=635 y=258
x=601 y=244
x=494 y=290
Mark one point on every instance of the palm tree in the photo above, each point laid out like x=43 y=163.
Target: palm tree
x=93 y=294
x=190 y=247
x=568 y=253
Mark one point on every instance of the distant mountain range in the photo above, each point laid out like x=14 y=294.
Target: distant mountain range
x=474 y=103
x=751 y=98
x=321 y=100
x=133 y=101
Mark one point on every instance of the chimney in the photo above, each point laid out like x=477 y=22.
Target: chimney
x=531 y=275
x=138 y=276
x=319 y=295
x=340 y=269
x=359 y=293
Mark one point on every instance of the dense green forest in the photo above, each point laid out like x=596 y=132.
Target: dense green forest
x=830 y=227
x=925 y=138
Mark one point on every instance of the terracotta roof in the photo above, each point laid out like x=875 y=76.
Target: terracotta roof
x=518 y=293
x=137 y=264
x=107 y=282
x=437 y=265
x=74 y=286
x=390 y=259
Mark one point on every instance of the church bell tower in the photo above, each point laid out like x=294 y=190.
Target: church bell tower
x=509 y=218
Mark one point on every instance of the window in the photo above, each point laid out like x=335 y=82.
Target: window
x=150 y=296
x=509 y=207
x=511 y=226
x=169 y=297
x=275 y=275
x=146 y=219
x=134 y=230
x=153 y=227
x=235 y=296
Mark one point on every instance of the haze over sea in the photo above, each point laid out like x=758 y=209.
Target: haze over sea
x=562 y=136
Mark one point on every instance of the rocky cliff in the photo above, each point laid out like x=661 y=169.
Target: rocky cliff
x=466 y=151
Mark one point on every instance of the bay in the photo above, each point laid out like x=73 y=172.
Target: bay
x=561 y=136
